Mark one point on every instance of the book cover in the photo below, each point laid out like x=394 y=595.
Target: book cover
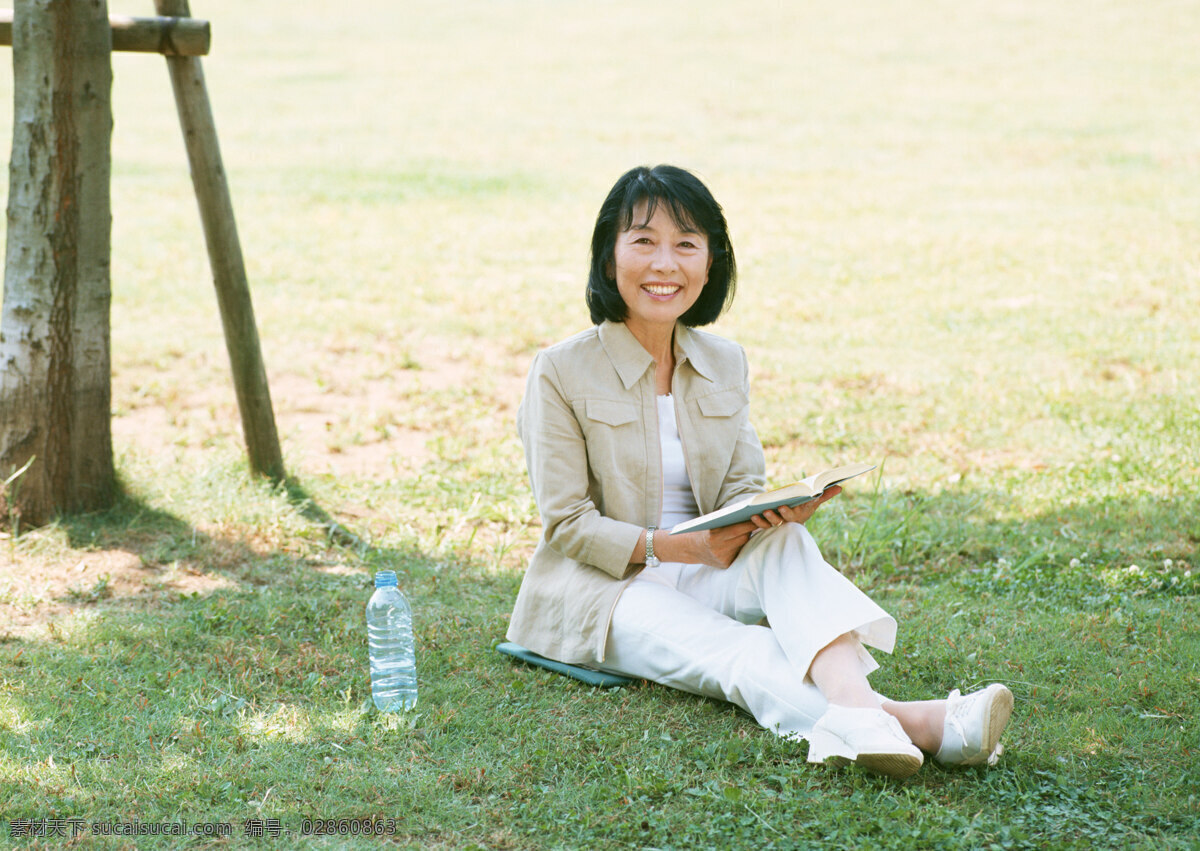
x=797 y=493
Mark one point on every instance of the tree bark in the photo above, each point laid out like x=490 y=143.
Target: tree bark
x=55 y=371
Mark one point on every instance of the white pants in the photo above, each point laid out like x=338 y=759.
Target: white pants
x=696 y=628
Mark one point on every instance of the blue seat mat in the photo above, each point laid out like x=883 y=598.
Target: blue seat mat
x=587 y=675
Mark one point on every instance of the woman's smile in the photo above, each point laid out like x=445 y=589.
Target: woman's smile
x=661 y=266
x=663 y=290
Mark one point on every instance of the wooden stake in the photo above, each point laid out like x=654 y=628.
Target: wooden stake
x=169 y=36
x=225 y=256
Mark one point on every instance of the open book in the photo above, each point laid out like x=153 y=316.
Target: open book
x=797 y=493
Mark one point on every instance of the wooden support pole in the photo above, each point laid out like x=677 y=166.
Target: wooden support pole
x=225 y=256
x=169 y=36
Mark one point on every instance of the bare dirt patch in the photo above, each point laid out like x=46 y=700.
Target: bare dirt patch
x=369 y=410
x=33 y=592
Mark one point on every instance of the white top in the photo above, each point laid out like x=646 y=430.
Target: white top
x=678 y=503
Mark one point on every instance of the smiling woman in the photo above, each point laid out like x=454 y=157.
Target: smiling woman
x=630 y=222
x=642 y=422
x=661 y=267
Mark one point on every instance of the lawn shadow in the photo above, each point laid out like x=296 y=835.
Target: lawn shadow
x=256 y=688
x=137 y=556
x=300 y=499
x=227 y=650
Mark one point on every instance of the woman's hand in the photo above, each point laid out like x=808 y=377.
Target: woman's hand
x=714 y=547
x=721 y=546
x=796 y=514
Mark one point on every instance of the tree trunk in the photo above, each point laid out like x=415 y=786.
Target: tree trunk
x=55 y=373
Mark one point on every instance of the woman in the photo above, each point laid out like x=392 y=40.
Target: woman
x=642 y=422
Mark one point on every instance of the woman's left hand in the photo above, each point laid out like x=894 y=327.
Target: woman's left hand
x=796 y=514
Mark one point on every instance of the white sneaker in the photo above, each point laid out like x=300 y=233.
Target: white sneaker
x=971 y=735
x=870 y=737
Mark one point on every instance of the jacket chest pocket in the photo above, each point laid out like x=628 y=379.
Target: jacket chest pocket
x=723 y=414
x=723 y=404
x=607 y=412
x=612 y=430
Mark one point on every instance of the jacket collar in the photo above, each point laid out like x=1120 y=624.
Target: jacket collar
x=631 y=360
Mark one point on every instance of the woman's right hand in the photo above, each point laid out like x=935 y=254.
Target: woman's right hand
x=719 y=547
x=726 y=542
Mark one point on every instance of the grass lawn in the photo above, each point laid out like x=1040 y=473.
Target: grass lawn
x=969 y=240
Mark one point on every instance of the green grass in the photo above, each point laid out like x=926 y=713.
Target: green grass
x=967 y=235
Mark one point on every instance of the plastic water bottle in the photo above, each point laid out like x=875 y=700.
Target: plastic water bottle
x=390 y=646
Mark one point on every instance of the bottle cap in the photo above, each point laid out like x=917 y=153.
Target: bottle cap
x=385 y=579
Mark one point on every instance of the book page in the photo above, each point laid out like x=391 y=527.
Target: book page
x=796 y=493
x=823 y=481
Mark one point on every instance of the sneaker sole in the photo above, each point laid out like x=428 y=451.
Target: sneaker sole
x=898 y=758
x=896 y=765
x=994 y=722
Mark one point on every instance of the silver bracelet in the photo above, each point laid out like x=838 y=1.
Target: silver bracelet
x=651 y=558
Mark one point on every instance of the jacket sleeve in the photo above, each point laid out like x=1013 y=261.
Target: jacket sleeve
x=747 y=468
x=556 y=456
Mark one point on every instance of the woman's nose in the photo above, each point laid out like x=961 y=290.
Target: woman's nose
x=664 y=258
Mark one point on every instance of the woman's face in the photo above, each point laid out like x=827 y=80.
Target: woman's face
x=660 y=267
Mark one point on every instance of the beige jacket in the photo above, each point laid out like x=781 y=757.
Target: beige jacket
x=589 y=425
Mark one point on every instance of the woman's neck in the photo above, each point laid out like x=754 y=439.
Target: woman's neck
x=659 y=342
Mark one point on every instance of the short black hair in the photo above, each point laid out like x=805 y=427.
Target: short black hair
x=692 y=206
